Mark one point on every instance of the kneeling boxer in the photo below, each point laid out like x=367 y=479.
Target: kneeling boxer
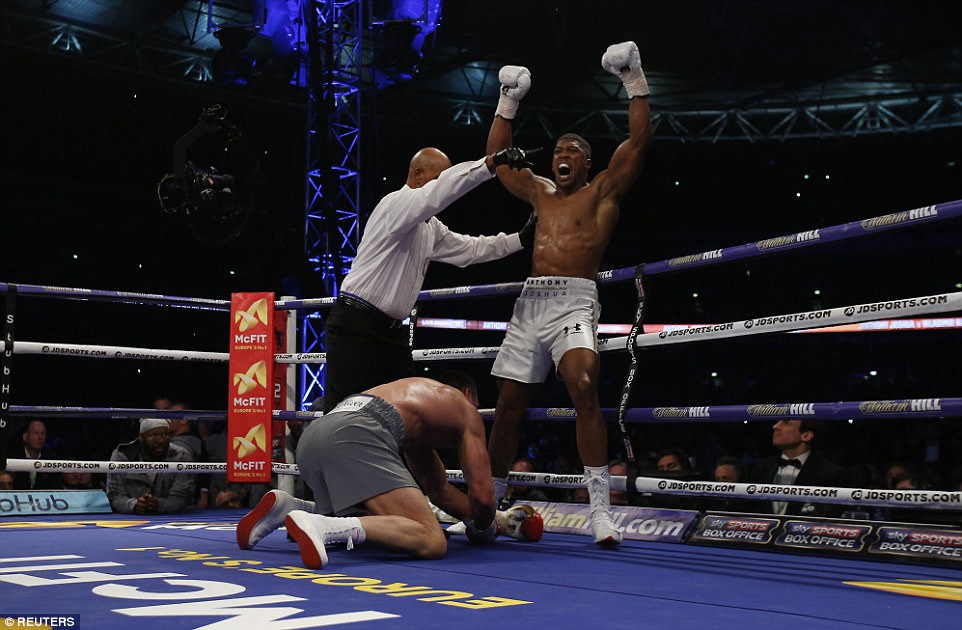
x=353 y=459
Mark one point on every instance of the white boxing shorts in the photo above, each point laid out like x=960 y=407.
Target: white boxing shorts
x=552 y=315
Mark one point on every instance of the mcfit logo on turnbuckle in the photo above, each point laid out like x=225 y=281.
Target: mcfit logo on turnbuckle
x=244 y=383
x=254 y=315
x=254 y=377
x=256 y=439
x=249 y=412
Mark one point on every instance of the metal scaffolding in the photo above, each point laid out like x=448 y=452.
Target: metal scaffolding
x=333 y=158
x=458 y=90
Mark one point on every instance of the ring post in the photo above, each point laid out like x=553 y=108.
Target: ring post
x=6 y=370
x=251 y=371
x=284 y=394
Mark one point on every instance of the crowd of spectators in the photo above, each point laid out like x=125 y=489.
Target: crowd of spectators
x=897 y=456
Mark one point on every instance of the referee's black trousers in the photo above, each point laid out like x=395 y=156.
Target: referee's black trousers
x=364 y=348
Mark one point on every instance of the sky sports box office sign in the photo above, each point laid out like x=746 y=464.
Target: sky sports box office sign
x=891 y=541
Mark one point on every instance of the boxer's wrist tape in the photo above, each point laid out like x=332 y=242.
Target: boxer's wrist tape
x=635 y=83
x=507 y=107
x=488 y=533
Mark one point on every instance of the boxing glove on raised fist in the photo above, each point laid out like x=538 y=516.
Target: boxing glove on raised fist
x=515 y=83
x=624 y=61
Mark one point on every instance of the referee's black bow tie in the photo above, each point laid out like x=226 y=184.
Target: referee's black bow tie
x=789 y=462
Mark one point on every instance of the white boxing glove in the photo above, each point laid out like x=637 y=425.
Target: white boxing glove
x=515 y=83
x=624 y=61
x=521 y=522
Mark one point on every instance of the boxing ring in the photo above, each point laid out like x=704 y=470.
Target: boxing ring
x=185 y=571
x=120 y=572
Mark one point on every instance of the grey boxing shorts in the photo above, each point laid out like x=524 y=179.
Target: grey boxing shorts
x=352 y=454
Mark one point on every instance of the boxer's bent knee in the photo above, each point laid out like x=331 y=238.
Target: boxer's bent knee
x=433 y=547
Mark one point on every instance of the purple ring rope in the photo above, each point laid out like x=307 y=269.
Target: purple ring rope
x=124 y=297
x=851 y=410
x=799 y=240
x=765 y=412
x=156 y=299
x=127 y=413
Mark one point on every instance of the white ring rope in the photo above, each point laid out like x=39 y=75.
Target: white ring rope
x=939 y=303
x=114 y=352
x=67 y=465
x=871 y=311
x=928 y=499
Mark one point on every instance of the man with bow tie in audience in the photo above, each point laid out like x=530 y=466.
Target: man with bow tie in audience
x=798 y=465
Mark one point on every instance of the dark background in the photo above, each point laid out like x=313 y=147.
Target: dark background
x=83 y=151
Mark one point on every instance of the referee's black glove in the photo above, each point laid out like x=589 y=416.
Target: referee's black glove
x=526 y=234
x=514 y=157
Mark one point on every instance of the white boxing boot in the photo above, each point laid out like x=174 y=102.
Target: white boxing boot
x=267 y=516
x=313 y=531
x=602 y=525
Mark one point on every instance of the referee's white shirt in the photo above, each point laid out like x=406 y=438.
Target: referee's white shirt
x=403 y=236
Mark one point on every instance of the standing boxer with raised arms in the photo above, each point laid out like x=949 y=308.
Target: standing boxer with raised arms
x=556 y=317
